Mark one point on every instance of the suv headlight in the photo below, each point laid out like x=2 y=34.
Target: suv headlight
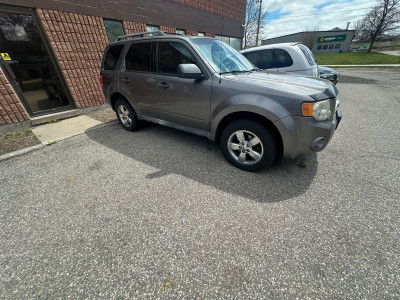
x=320 y=110
x=326 y=76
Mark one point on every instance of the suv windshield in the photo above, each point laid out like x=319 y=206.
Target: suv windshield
x=222 y=57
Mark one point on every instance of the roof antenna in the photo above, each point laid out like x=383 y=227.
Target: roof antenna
x=220 y=43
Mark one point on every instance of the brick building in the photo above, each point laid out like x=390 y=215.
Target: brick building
x=51 y=50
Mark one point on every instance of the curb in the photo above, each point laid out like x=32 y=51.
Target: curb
x=20 y=152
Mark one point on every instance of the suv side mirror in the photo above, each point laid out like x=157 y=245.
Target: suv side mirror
x=189 y=71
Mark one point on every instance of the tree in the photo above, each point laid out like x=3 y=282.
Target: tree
x=254 y=24
x=357 y=28
x=383 y=19
x=309 y=37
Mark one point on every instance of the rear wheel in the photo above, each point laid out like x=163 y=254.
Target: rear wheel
x=126 y=115
x=248 y=145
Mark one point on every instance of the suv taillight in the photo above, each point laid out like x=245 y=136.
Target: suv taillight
x=101 y=81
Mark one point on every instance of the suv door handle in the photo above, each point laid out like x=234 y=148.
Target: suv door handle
x=164 y=85
x=127 y=80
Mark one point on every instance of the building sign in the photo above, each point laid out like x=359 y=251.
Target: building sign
x=333 y=38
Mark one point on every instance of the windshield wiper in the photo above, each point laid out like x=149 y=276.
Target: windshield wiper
x=235 y=71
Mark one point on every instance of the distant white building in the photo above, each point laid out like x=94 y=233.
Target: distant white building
x=320 y=42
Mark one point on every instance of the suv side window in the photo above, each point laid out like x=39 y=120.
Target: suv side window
x=283 y=58
x=170 y=55
x=111 y=57
x=263 y=59
x=138 y=57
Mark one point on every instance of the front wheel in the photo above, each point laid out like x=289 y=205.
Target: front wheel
x=248 y=145
x=126 y=115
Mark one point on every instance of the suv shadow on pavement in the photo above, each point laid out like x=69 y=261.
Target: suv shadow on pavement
x=196 y=158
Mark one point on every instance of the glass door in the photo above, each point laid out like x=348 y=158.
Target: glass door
x=28 y=64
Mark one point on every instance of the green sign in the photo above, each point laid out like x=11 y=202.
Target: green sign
x=332 y=38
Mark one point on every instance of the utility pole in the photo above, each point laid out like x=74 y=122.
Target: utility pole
x=259 y=20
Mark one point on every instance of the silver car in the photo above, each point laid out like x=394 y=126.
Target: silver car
x=284 y=57
x=289 y=57
x=203 y=86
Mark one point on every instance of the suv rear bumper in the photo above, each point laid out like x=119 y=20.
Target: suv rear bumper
x=304 y=135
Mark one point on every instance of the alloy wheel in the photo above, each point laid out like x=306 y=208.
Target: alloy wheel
x=245 y=147
x=124 y=115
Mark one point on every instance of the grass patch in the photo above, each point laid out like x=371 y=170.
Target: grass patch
x=393 y=43
x=356 y=58
x=16 y=140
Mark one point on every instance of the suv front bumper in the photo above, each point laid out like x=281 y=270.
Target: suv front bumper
x=304 y=135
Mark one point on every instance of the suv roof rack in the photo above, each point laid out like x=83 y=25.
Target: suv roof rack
x=148 y=33
x=141 y=34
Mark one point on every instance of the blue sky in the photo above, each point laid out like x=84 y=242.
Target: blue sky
x=291 y=16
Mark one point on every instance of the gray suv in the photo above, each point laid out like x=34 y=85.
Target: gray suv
x=203 y=86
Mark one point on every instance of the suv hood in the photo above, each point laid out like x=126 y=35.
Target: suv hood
x=316 y=88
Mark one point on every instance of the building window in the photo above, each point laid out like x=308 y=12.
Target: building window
x=201 y=34
x=181 y=31
x=225 y=39
x=236 y=43
x=337 y=46
x=114 y=29
x=152 y=28
x=325 y=46
x=331 y=46
x=319 y=47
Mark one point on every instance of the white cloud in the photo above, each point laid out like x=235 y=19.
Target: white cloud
x=299 y=16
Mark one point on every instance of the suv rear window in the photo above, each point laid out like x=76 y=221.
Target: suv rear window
x=283 y=58
x=112 y=56
x=263 y=59
x=138 y=57
x=308 y=54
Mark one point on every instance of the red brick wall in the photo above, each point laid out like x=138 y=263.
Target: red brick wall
x=167 y=29
x=78 y=42
x=133 y=27
x=191 y=32
x=11 y=109
x=234 y=9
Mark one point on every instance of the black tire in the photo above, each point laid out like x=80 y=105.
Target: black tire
x=126 y=115
x=252 y=156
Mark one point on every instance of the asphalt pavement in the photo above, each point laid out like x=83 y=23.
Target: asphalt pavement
x=160 y=214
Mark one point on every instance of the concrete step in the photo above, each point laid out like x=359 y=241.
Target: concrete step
x=53 y=132
x=56 y=116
